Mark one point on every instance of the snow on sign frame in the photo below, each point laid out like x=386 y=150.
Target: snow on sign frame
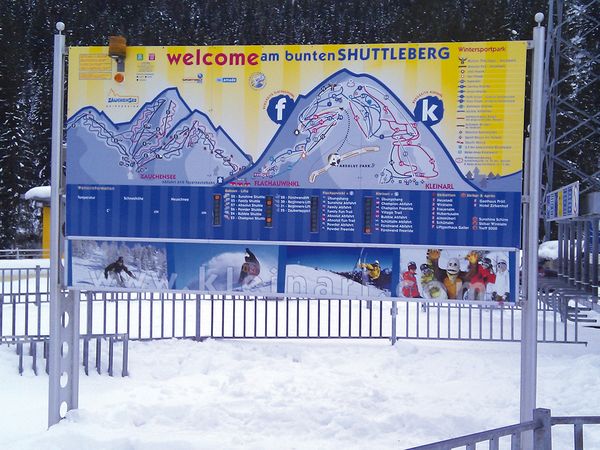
x=322 y=170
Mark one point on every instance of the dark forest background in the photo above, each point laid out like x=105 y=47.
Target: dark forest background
x=26 y=36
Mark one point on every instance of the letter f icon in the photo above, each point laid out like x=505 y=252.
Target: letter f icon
x=279 y=107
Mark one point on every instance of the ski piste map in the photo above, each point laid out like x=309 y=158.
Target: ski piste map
x=375 y=149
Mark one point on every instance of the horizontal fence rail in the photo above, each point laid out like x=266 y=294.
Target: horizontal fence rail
x=24 y=253
x=541 y=426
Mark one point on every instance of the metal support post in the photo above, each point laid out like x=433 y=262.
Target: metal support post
x=63 y=357
x=579 y=253
x=585 y=260
x=543 y=431
x=394 y=313
x=64 y=373
x=572 y=240
x=529 y=326
x=561 y=255
x=525 y=212
x=595 y=251
x=89 y=313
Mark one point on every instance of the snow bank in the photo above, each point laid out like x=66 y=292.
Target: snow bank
x=548 y=250
x=38 y=193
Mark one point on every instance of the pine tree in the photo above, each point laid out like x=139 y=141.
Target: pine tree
x=15 y=156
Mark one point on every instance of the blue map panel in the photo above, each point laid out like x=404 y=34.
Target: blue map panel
x=305 y=215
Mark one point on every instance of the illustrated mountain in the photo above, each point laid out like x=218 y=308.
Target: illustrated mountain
x=164 y=142
x=349 y=132
x=352 y=132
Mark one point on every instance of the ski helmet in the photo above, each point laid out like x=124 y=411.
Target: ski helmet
x=376 y=263
x=487 y=263
x=412 y=265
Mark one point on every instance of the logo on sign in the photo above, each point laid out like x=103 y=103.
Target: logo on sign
x=429 y=110
x=257 y=80
x=115 y=98
x=279 y=108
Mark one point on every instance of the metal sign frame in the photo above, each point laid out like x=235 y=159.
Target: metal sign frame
x=64 y=330
x=63 y=360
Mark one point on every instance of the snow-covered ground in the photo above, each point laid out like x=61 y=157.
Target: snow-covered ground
x=301 y=394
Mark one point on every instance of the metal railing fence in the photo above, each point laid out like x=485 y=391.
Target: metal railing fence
x=578 y=255
x=541 y=426
x=24 y=311
x=27 y=346
x=160 y=316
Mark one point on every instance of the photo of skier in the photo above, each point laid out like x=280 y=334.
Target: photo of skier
x=116 y=270
x=110 y=264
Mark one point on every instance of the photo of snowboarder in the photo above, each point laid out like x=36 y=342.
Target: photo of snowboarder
x=116 y=265
x=372 y=272
x=224 y=267
x=250 y=268
x=328 y=271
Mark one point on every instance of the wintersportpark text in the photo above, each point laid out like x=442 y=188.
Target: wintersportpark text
x=207 y=58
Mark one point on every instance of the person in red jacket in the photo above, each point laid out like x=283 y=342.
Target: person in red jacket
x=410 y=288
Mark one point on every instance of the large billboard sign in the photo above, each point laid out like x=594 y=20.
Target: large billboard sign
x=356 y=153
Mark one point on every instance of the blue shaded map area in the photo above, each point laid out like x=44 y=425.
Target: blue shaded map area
x=165 y=142
x=352 y=132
